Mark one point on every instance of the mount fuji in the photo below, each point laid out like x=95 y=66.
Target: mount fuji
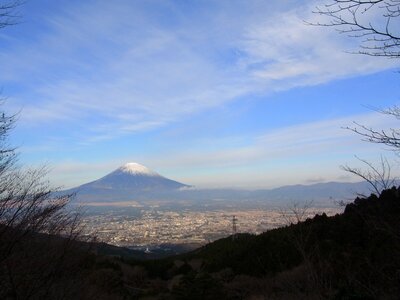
x=131 y=181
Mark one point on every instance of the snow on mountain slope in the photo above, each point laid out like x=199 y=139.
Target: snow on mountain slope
x=129 y=182
x=137 y=169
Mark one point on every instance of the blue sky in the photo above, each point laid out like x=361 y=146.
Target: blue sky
x=210 y=93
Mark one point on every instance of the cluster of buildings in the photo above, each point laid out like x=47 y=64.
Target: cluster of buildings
x=155 y=227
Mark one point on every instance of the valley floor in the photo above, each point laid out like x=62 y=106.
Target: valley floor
x=151 y=227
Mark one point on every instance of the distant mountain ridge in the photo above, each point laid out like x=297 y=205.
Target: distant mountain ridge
x=135 y=182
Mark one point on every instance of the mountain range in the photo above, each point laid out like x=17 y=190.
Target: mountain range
x=135 y=182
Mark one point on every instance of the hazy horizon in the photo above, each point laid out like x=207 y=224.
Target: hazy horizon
x=233 y=187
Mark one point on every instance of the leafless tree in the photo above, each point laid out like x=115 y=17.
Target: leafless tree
x=379 y=176
x=296 y=212
x=374 y=22
x=39 y=235
x=377 y=24
x=8 y=12
x=313 y=281
x=389 y=137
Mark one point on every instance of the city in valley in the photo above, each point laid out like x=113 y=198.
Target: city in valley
x=167 y=212
x=151 y=227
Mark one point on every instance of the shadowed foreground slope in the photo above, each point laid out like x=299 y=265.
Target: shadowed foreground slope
x=355 y=255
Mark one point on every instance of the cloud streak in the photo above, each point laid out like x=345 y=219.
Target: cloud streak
x=260 y=161
x=137 y=72
x=101 y=84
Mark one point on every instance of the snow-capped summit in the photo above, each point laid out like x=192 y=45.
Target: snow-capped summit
x=131 y=181
x=137 y=169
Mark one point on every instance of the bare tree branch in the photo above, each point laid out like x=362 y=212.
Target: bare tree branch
x=379 y=177
x=9 y=12
x=357 y=18
x=389 y=137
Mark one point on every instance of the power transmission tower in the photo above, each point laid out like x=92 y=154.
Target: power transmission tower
x=234 y=227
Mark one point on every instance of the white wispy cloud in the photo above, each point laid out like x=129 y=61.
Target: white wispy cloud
x=321 y=137
x=293 y=154
x=137 y=71
x=287 y=52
